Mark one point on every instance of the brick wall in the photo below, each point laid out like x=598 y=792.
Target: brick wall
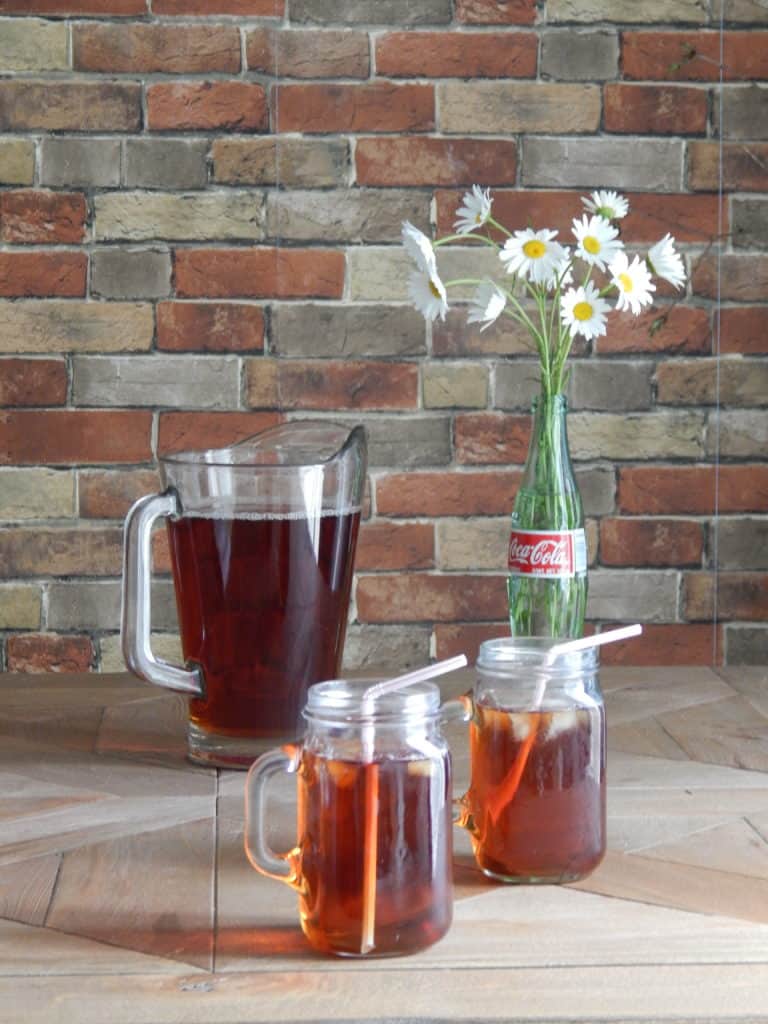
x=158 y=289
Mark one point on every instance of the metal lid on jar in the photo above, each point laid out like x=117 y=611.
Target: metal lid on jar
x=342 y=700
x=531 y=654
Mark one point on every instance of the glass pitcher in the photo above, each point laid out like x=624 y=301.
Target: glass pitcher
x=372 y=861
x=262 y=538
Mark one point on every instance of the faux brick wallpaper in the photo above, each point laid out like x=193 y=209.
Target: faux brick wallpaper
x=200 y=206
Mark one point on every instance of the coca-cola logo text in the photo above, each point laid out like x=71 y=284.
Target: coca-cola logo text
x=534 y=553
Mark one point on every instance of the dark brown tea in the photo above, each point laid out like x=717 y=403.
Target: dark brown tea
x=536 y=804
x=413 y=851
x=262 y=605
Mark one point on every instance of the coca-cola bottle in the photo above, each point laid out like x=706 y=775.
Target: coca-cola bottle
x=547 y=583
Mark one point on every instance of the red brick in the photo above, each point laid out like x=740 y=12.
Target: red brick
x=245 y=8
x=419 y=161
x=161 y=553
x=69 y=437
x=155 y=48
x=655 y=109
x=237 y=106
x=744 y=329
x=49 y=652
x=670 y=329
x=644 y=542
x=306 y=53
x=666 y=645
x=386 y=546
x=465 y=638
x=487 y=437
x=210 y=327
x=744 y=277
x=674 y=490
x=195 y=431
x=687 y=218
x=496 y=12
x=694 y=56
x=259 y=273
x=28 y=216
x=326 y=384
x=105 y=8
x=108 y=494
x=34 y=551
x=418 y=597
x=374 y=107
x=447 y=494
x=740 y=595
x=456 y=55
x=69 y=106
x=42 y=274
x=33 y=382
x=745 y=166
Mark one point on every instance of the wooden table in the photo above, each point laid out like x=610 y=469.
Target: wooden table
x=125 y=895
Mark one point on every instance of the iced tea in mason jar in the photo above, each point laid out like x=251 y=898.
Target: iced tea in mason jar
x=535 y=808
x=372 y=862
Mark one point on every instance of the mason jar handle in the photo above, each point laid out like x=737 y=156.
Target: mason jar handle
x=136 y=615
x=280 y=866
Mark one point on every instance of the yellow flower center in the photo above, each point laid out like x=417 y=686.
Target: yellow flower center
x=534 y=249
x=626 y=282
x=583 y=311
x=434 y=289
x=479 y=219
x=592 y=245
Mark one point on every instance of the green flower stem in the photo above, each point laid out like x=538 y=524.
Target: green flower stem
x=499 y=227
x=454 y=238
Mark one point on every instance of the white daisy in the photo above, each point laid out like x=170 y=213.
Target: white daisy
x=428 y=294
x=607 y=204
x=598 y=244
x=533 y=254
x=418 y=247
x=633 y=281
x=475 y=211
x=487 y=305
x=666 y=262
x=584 y=311
x=563 y=272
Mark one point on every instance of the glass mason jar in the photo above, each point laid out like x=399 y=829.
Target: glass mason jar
x=372 y=861
x=535 y=808
x=547 y=582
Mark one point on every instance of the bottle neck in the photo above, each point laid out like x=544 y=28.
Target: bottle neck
x=549 y=458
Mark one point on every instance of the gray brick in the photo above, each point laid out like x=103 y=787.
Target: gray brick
x=610 y=386
x=176 y=381
x=373 y=12
x=380 y=274
x=78 y=605
x=469 y=545
x=746 y=645
x=749 y=222
x=80 y=162
x=386 y=647
x=165 y=163
x=31 y=44
x=358 y=215
x=517 y=384
x=36 y=494
x=597 y=485
x=754 y=11
x=633 y=595
x=346 y=331
x=404 y=442
x=49 y=325
x=164 y=645
x=652 y=164
x=745 y=112
x=300 y=163
x=729 y=380
x=742 y=543
x=574 y=56
x=131 y=273
x=695 y=11
x=742 y=433
x=654 y=435
x=144 y=216
x=539 y=107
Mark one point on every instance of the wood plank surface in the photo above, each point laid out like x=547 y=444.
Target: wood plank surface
x=125 y=893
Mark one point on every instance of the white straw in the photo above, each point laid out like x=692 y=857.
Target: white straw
x=370 y=839
x=585 y=642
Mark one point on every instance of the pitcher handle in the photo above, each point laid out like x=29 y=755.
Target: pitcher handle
x=284 y=867
x=136 y=615
x=460 y=709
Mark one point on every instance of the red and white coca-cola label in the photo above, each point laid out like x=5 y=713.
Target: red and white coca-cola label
x=547 y=552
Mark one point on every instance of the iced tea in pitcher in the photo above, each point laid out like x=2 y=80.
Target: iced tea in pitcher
x=535 y=808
